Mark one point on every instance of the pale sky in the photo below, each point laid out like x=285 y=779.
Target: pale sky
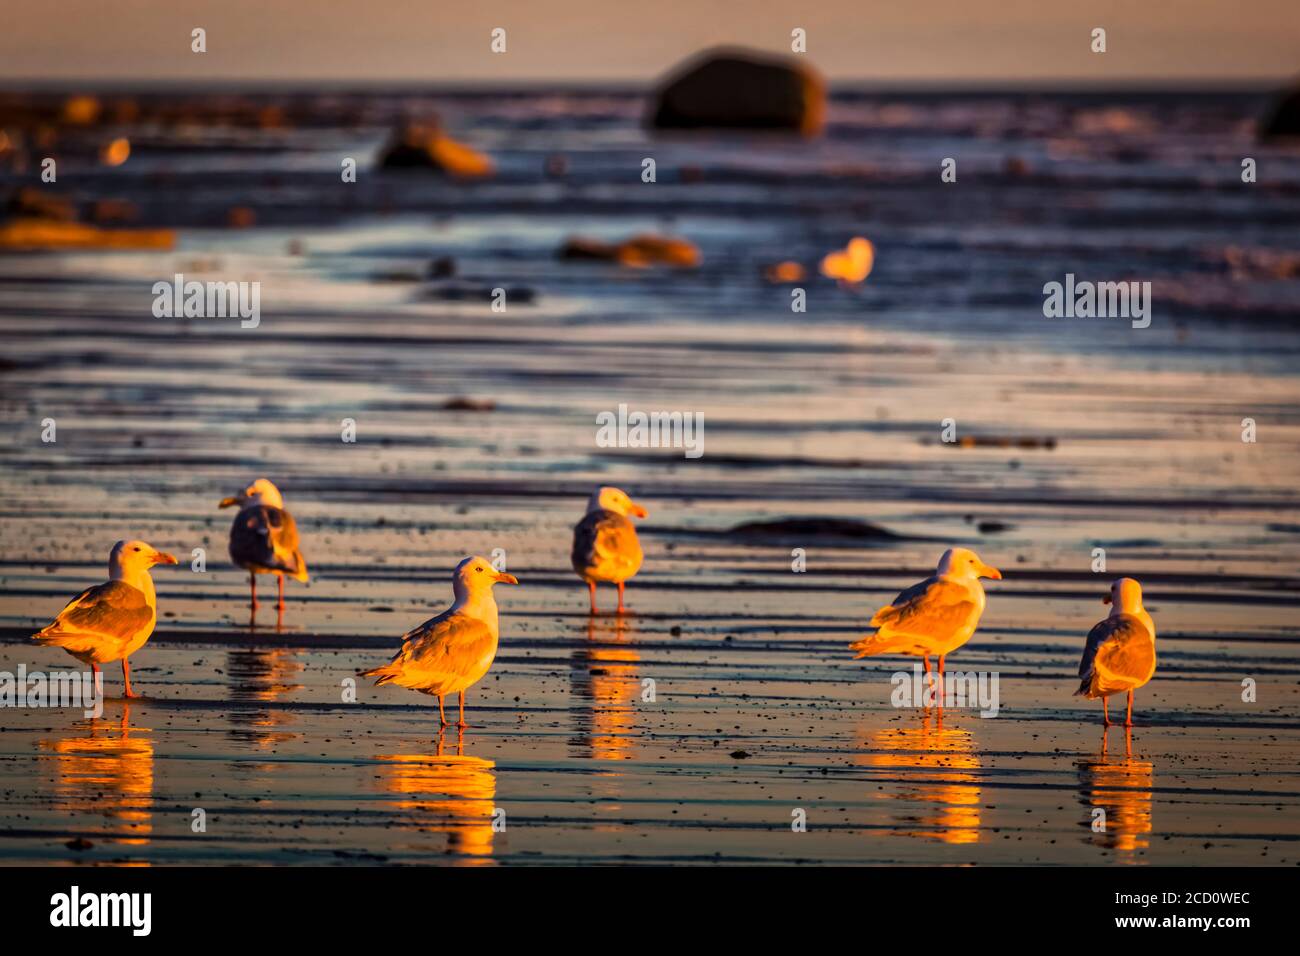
x=440 y=41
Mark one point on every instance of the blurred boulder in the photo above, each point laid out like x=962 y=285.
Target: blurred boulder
x=1283 y=120
x=741 y=89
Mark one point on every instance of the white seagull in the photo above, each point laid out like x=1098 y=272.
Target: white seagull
x=450 y=653
x=1121 y=651
x=264 y=538
x=936 y=616
x=605 y=545
x=111 y=621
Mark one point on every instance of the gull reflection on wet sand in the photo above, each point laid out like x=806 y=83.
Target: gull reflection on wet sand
x=605 y=683
x=1121 y=786
x=446 y=793
x=939 y=768
x=265 y=676
x=107 y=772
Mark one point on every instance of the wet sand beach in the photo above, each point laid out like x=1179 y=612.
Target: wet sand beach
x=1084 y=434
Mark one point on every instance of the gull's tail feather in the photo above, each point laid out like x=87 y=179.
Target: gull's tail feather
x=388 y=672
x=74 y=642
x=1095 y=685
x=882 y=642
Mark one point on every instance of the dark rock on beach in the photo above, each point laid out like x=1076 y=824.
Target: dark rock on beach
x=741 y=89
x=1283 y=119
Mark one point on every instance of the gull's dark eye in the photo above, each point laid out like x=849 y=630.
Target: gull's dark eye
x=135 y=549
x=478 y=569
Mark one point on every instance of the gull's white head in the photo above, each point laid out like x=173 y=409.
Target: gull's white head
x=609 y=498
x=260 y=492
x=474 y=577
x=131 y=558
x=965 y=563
x=1125 y=597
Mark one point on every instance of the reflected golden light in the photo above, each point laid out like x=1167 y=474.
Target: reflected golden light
x=605 y=681
x=1121 y=787
x=116 y=152
x=107 y=773
x=852 y=264
x=263 y=675
x=942 y=765
x=453 y=794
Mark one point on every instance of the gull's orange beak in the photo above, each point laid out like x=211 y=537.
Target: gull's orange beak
x=990 y=572
x=503 y=578
x=1106 y=599
x=162 y=557
x=639 y=511
x=227 y=502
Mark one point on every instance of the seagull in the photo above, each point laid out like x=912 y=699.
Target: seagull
x=936 y=616
x=451 y=652
x=264 y=538
x=605 y=546
x=1121 y=651
x=111 y=621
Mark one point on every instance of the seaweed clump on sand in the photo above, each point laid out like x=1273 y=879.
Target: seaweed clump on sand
x=640 y=251
x=35 y=221
x=425 y=146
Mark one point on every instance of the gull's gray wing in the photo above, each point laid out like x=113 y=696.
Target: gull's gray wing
x=1119 y=653
x=113 y=612
x=265 y=538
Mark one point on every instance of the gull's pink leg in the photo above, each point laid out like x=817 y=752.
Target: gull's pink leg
x=1128 y=721
x=441 y=715
x=280 y=579
x=941 y=680
x=620 y=597
x=1105 y=711
x=462 y=711
x=927 y=671
x=252 y=589
x=126 y=677
x=591 y=586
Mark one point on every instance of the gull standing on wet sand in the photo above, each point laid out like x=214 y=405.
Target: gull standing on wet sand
x=449 y=653
x=1121 y=651
x=936 y=616
x=605 y=545
x=264 y=538
x=111 y=621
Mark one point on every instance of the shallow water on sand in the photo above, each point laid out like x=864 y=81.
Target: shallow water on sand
x=758 y=710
